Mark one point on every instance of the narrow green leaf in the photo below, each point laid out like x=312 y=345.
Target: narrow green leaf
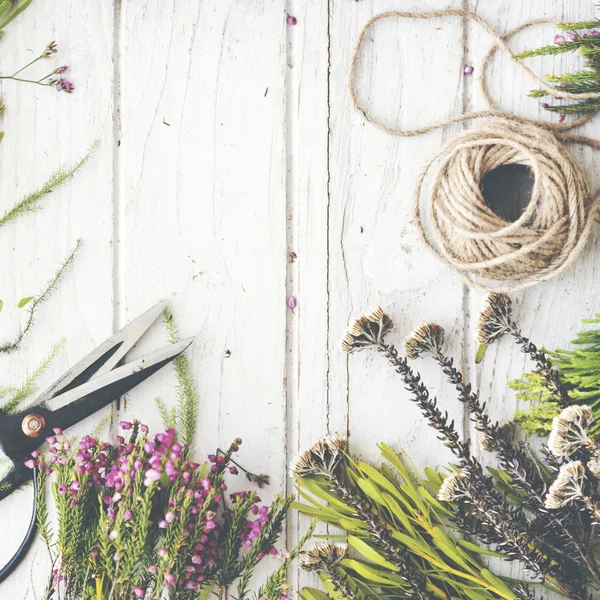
x=4 y=8
x=1 y=304
x=480 y=353
x=369 y=573
x=479 y=550
x=313 y=594
x=370 y=553
x=24 y=301
x=498 y=583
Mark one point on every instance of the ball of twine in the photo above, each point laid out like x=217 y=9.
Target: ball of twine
x=454 y=219
x=469 y=236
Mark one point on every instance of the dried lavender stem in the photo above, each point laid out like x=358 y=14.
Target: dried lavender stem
x=550 y=376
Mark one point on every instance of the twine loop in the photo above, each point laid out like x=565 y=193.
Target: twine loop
x=454 y=219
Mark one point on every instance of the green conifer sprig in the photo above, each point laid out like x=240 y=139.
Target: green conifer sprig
x=29 y=387
x=51 y=285
x=32 y=202
x=187 y=395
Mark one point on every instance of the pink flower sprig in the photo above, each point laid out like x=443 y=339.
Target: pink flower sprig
x=50 y=80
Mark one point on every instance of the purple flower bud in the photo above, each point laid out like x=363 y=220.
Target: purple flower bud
x=292 y=302
x=593 y=32
x=139 y=592
x=30 y=464
x=291 y=20
x=125 y=425
x=233 y=470
x=559 y=39
x=572 y=36
x=544 y=105
x=153 y=569
x=561 y=118
x=127 y=515
x=36 y=454
x=170 y=578
x=468 y=70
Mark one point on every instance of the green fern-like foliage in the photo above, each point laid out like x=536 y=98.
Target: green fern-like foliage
x=587 y=42
x=580 y=374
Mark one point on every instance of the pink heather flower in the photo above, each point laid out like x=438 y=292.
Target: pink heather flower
x=593 y=32
x=76 y=486
x=153 y=569
x=210 y=525
x=57 y=431
x=544 y=105
x=292 y=302
x=233 y=470
x=468 y=70
x=197 y=559
x=30 y=464
x=163 y=524
x=51 y=440
x=125 y=425
x=36 y=454
x=62 y=489
x=559 y=39
x=170 y=578
x=127 y=515
x=572 y=36
x=170 y=517
x=113 y=535
x=291 y=20
x=139 y=592
x=212 y=458
x=144 y=428
x=153 y=475
x=561 y=118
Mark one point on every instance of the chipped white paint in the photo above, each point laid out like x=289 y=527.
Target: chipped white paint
x=228 y=141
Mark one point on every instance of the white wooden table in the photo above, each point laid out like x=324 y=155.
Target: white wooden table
x=227 y=142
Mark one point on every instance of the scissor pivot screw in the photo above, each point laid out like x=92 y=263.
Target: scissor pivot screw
x=33 y=425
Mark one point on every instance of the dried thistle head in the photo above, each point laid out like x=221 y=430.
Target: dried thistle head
x=368 y=330
x=453 y=488
x=570 y=430
x=322 y=555
x=567 y=487
x=322 y=458
x=428 y=338
x=494 y=318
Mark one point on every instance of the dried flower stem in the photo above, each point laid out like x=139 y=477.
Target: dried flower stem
x=549 y=375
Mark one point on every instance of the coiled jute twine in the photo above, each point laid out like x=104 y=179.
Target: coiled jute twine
x=487 y=251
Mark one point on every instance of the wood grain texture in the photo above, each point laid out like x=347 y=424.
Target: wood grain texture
x=228 y=141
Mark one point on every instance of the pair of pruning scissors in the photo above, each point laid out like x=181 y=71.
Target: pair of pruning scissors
x=92 y=384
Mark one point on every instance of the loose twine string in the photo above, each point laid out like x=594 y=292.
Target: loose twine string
x=465 y=233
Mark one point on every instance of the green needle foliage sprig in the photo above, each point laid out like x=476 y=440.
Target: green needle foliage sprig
x=584 y=37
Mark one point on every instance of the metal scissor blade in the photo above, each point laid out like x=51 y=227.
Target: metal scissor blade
x=105 y=357
x=102 y=390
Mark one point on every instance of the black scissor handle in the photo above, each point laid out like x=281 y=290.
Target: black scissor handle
x=15 y=475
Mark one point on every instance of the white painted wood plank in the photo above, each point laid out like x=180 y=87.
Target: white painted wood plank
x=44 y=130
x=203 y=211
x=375 y=254
x=308 y=225
x=550 y=313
